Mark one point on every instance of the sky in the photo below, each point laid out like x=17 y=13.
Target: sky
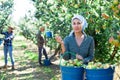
x=21 y=7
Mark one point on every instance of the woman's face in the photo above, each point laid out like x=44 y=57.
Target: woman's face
x=10 y=29
x=76 y=25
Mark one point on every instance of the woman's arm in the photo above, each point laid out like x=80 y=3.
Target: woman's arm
x=10 y=37
x=91 y=52
x=4 y=33
x=59 y=40
x=64 y=47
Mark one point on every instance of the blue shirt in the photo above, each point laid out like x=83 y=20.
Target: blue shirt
x=8 y=38
x=86 y=49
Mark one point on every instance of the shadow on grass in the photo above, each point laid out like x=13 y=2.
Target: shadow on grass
x=32 y=71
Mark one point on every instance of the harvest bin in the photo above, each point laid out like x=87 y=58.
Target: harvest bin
x=46 y=62
x=100 y=74
x=49 y=34
x=72 y=73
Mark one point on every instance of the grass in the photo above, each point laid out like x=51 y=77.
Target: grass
x=2 y=77
x=47 y=70
x=19 y=44
x=31 y=55
x=26 y=64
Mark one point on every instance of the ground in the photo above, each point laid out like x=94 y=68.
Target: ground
x=27 y=68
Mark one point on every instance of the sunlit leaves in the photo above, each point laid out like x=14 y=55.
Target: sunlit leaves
x=5 y=11
x=102 y=17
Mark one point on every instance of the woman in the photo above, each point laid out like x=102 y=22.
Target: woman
x=78 y=42
x=8 y=48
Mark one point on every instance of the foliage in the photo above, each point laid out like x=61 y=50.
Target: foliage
x=28 y=28
x=2 y=77
x=102 y=16
x=5 y=12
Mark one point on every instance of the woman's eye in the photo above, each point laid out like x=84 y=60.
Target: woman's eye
x=73 y=23
x=79 y=22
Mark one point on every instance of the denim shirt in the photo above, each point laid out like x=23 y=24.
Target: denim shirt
x=86 y=49
x=8 y=38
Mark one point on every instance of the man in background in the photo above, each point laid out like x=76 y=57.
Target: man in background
x=40 y=44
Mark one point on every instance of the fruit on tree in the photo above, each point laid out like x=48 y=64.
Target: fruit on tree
x=115 y=2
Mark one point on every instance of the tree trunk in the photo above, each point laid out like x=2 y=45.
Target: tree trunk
x=114 y=53
x=56 y=51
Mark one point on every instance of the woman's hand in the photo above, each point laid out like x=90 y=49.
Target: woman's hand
x=79 y=57
x=59 y=39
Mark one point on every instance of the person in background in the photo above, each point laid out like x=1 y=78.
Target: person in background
x=78 y=42
x=8 y=47
x=40 y=44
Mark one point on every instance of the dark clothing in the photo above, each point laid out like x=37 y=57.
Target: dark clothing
x=40 y=39
x=86 y=49
x=41 y=49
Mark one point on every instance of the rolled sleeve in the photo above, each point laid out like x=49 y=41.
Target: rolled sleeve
x=66 y=44
x=91 y=52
